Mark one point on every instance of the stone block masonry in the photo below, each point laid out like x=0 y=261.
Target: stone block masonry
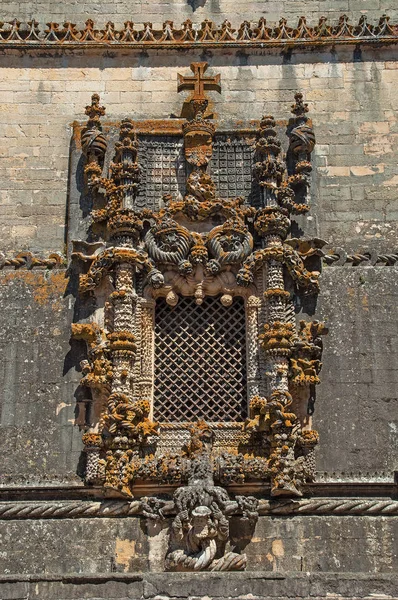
x=187 y=586
x=62 y=538
x=132 y=547
x=159 y=11
x=350 y=92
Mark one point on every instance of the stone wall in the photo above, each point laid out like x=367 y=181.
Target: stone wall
x=283 y=545
x=160 y=10
x=351 y=94
x=40 y=444
x=356 y=407
x=192 y=586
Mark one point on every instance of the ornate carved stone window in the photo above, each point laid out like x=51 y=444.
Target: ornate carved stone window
x=200 y=377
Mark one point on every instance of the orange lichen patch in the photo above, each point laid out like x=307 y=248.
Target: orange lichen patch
x=91 y=333
x=77 y=130
x=92 y=439
x=309 y=438
x=171 y=126
x=159 y=126
x=365 y=303
x=351 y=297
x=48 y=287
x=148 y=126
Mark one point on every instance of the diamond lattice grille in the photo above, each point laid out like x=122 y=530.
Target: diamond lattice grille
x=200 y=361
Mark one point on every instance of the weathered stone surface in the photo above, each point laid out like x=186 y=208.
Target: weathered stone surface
x=39 y=440
x=187 y=586
x=127 y=545
x=67 y=546
x=355 y=408
x=349 y=95
x=178 y=10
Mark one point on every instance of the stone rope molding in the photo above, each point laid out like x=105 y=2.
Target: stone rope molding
x=28 y=260
x=111 y=509
x=330 y=506
x=16 y=34
x=332 y=257
x=67 y=510
x=339 y=257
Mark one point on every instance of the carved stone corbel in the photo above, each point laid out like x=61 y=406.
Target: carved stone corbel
x=199 y=284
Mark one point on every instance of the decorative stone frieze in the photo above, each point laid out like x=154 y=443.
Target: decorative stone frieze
x=207 y=35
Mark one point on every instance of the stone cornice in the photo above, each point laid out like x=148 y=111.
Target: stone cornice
x=331 y=256
x=272 y=585
x=248 y=35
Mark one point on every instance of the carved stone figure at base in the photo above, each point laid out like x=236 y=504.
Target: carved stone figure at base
x=202 y=534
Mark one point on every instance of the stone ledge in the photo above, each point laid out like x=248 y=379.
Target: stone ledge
x=250 y=585
x=248 y=35
x=11 y=510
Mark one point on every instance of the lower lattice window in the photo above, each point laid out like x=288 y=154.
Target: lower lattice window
x=200 y=361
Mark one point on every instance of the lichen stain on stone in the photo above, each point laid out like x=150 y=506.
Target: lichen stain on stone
x=77 y=129
x=365 y=303
x=48 y=287
x=60 y=407
x=124 y=552
x=351 y=297
x=277 y=551
x=277 y=548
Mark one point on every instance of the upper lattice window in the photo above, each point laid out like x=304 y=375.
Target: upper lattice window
x=200 y=361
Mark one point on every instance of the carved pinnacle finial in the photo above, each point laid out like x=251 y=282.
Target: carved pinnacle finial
x=302 y=137
x=92 y=138
x=94 y=111
x=128 y=135
x=299 y=108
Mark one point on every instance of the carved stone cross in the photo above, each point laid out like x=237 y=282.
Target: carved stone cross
x=199 y=83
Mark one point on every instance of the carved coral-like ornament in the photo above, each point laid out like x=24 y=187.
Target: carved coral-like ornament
x=168 y=242
x=231 y=242
x=272 y=221
x=277 y=338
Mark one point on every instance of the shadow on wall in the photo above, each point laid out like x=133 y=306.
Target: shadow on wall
x=180 y=58
x=195 y=4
